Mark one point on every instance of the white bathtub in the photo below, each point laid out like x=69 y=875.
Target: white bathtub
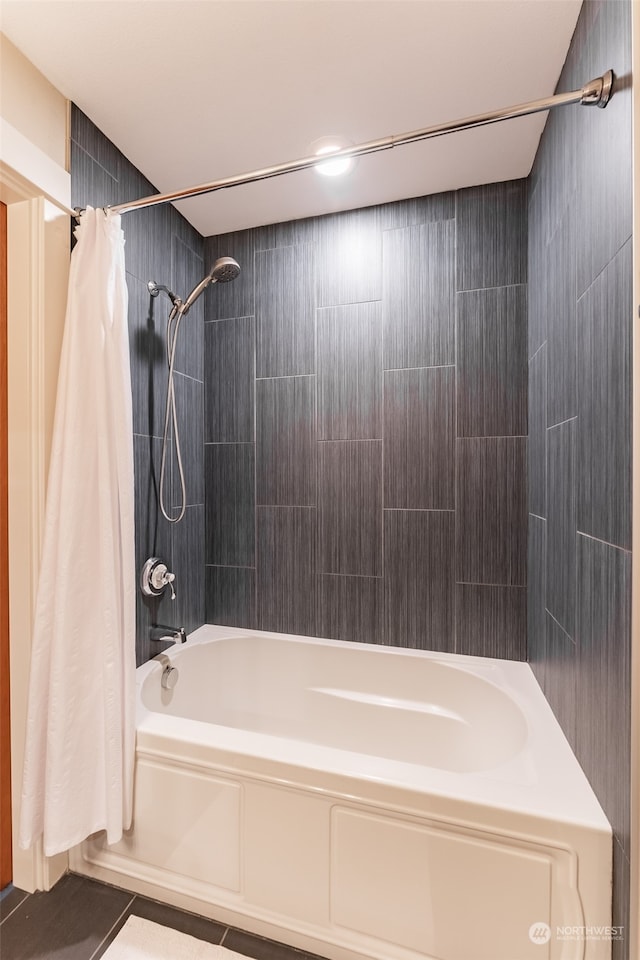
x=361 y=801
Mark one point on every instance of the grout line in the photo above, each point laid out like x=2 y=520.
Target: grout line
x=557 y=622
x=288 y=376
x=17 y=906
x=561 y=423
x=474 y=583
x=188 y=377
x=249 y=316
x=419 y=510
x=350 y=576
x=497 y=286
x=600 y=272
x=350 y=440
x=607 y=543
x=433 y=366
x=91 y=157
x=224 y=935
x=112 y=927
x=543 y=344
x=345 y=306
x=287 y=506
x=148 y=436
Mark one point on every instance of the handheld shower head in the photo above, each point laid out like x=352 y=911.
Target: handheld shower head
x=223 y=270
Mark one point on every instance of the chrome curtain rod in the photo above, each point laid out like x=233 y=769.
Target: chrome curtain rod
x=595 y=93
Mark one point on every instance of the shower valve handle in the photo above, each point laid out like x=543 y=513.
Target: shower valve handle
x=168 y=579
x=156 y=577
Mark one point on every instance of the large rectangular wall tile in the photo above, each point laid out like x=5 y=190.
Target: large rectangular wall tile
x=491 y=621
x=91 y=183
x=605 y=315
x=351 y=608
x=350 y=372
x=349 y=257
x=188 y=559
x=230 y=596
x=491 y=518
x=419 y=295
x=189 y=396
x=285 y=311
x=604 y=150
x=561 y=677
x=604 y=692
x=419 y=579
x=186 y=273
x=148 y=360
x=556 y=163
x=148 y=236
x=537 y=458
x=286 y=447
x=560 y=285
x=287 y=234
x=229 y=347
x=491 y=235
x=350 y=507
x=536 y=597
x=286 y=538
x=93 y=141
x=536 y=283
x=229 y=470
x=407 y=213
x=419 y=438
x=561 y=524
x=492 y=362
x=225 y=301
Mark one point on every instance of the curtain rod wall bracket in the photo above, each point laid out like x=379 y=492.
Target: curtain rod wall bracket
x=596 y=92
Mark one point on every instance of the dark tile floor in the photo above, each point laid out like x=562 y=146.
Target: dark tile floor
x=79 y=918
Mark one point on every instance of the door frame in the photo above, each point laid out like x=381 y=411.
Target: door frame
x=38 y=266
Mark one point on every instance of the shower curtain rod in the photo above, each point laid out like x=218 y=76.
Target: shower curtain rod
x=596 y=92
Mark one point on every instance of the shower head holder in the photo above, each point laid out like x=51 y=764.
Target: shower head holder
x=156 y=288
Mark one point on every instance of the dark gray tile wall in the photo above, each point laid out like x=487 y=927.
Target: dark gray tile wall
x=230 y=385
x=492 y=361
x=491 y=516
x=419 y=463
x=162 y=246
x=580 y=324
x=349 y=365
x=286 y=441
x=353 y=320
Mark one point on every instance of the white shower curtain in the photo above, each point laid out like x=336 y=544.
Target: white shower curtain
x=80 y=738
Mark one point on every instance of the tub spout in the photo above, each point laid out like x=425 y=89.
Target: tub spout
x=163 y=632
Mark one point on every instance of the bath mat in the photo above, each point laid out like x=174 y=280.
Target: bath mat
x=143 y=940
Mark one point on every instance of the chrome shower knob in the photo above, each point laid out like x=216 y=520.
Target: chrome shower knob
x=155 y=578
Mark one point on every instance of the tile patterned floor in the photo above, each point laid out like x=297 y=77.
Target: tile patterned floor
x=79 y=918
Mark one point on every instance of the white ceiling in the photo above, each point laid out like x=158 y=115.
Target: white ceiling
x=195 y=90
